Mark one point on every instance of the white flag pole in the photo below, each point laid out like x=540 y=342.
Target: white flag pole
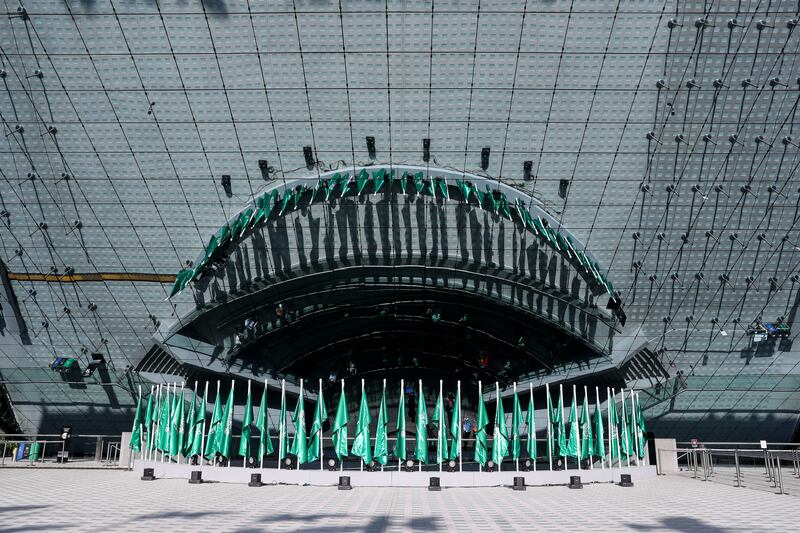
x=550 y=442
x=517 y=436
x=386 y=422
x=459 y=428
x=399 y=461
x=281 y=423
x=341 y=463
x=633 y=430
x=230 y=421
x=589 y=422
x=532 y=430
x=625 y=427
x=302 y=419
x=563 y=425
x=480 y=399
x=578 y=428
x=169 y=418
x=214 y=459
x=599 y=413
x=361 y=461
x=610 y=439
x=264 y=409
x=244 y=417
x=180 y=422
x=321 y=422
x=441 y=435
x=616 y=429
x=203 y=431
x=150 y=432
x=496 y=429
x=419 y=404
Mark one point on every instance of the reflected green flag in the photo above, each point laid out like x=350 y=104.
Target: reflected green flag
x=441 y=434
x=247 y=430
x=198 y=425
x=400 y=428
x=148 y=419
x=191 y=413
x=574 y=434
x=422 y=429
x=361 y=441
x=381 y=432
x=613 y=422
x=225 y=431
x=315 y=437
x=599 y=443
x=177 y=427
x=136 y=431
x=283 y=435
x=530 y=421
x=455 y=427
x=339 y=434
x=262 y=424
x=587 y=448
x=562 y=434
x=516 y=423
x=300 y=443
x=212 y=444
x=501 y=439
x=641 y=430
x=481 y=446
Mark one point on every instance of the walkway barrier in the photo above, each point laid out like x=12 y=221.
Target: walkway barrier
x=50 y=449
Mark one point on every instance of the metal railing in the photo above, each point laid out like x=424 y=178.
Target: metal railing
x=48 y=449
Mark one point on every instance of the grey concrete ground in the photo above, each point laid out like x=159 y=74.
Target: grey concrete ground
x=93 y=500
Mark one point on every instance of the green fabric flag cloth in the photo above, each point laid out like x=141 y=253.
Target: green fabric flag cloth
x=300 y=443
x=613 y=442
x=501 y=439
x=361 y=441
x=587 y=446
x=441 y=433
x=339 y=434
x=574 y=433
x=516 y=423
x=624 y=431
x=381 y=432
x=136 y=431
x=148 y=419
x=225 y=431
x=562 y=434
x=214 y=428
x=633 y=428
x=163 y=423
x=283 y=434
x=421 y=450
x=481 y=446
x=247 y=431
x=641 y=431
x=315 y=437
x=156 y=415
x=177 y=427
x=530 y=421
x=262 y=424
x=551 y=427
x=191 y=413
x=455 y=427
x=400 y=428
x=198 y=425
x=599 y=445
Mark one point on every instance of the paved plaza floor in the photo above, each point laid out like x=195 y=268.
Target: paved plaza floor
x=94 y=500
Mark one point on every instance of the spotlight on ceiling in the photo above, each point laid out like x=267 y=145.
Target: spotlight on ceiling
x=426 y=149
x=309 y=156
x=371 y=146
x=485 y=157
x=226 y=184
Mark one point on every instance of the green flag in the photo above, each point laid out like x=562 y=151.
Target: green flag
x=262 y=424
x=198 y=425
x=400 y=428
x=624 y=431
x=148 y=419
x=244 y=442
x=283 y=435
x=225 y=431
x=613 y=423
x=300 y=443
x=530 y=421
x=562 y=434
x=441 y=434
x=339 y=434
x=190 y=416
x=516 y=423
x=163 y=423
x=214 y=429
x=501 y=440
x=177 y=426
x=422 y=428
x=136 y=431
x=599 y=444
x=572 y=442
x=587 y=447
x=361 y=442
x=641 y=431
x=455 y=427
x=552 y=426
x=315 y=437
x=381 y=437
x=481 y=446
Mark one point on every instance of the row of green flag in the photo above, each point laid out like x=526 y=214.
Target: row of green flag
x=168 y=425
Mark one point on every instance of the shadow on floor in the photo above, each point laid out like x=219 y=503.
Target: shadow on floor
x=685 y=524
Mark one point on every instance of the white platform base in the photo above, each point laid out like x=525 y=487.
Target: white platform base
x=393 y=478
